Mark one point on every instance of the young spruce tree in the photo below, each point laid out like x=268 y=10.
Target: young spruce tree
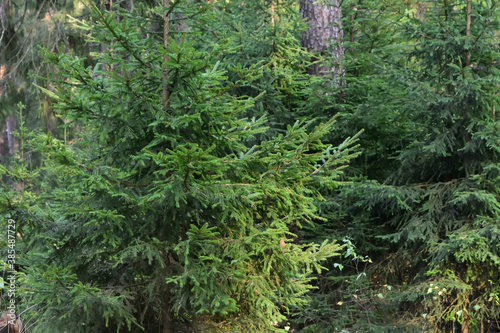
x=449 y=172
x=160 y=209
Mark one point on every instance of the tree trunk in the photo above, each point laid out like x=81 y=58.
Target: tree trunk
x=324 y=36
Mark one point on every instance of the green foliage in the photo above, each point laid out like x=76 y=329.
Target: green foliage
x=182 y=207
x=19 y=180
x=422 y=201
x=219 y=205
x=450 y=222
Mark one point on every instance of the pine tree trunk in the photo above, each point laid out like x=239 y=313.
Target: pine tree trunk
x=324 y=36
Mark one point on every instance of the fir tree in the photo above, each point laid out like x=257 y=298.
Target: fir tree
x=423 y=201
x=176 y=207
x=446 y=171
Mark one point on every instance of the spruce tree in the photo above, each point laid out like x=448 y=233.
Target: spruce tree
x=436 y=205
x=158 y=208
x=448 y=173
x=423 y=199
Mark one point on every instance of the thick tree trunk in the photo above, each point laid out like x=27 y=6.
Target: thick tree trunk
x=324 y=36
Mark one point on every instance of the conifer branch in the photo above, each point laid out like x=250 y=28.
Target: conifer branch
x=105 y=20
x=166 y=36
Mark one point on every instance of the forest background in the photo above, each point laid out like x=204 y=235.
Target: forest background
x=251 y=166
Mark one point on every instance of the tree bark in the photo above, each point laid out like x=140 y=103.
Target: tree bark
x=324 y=36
